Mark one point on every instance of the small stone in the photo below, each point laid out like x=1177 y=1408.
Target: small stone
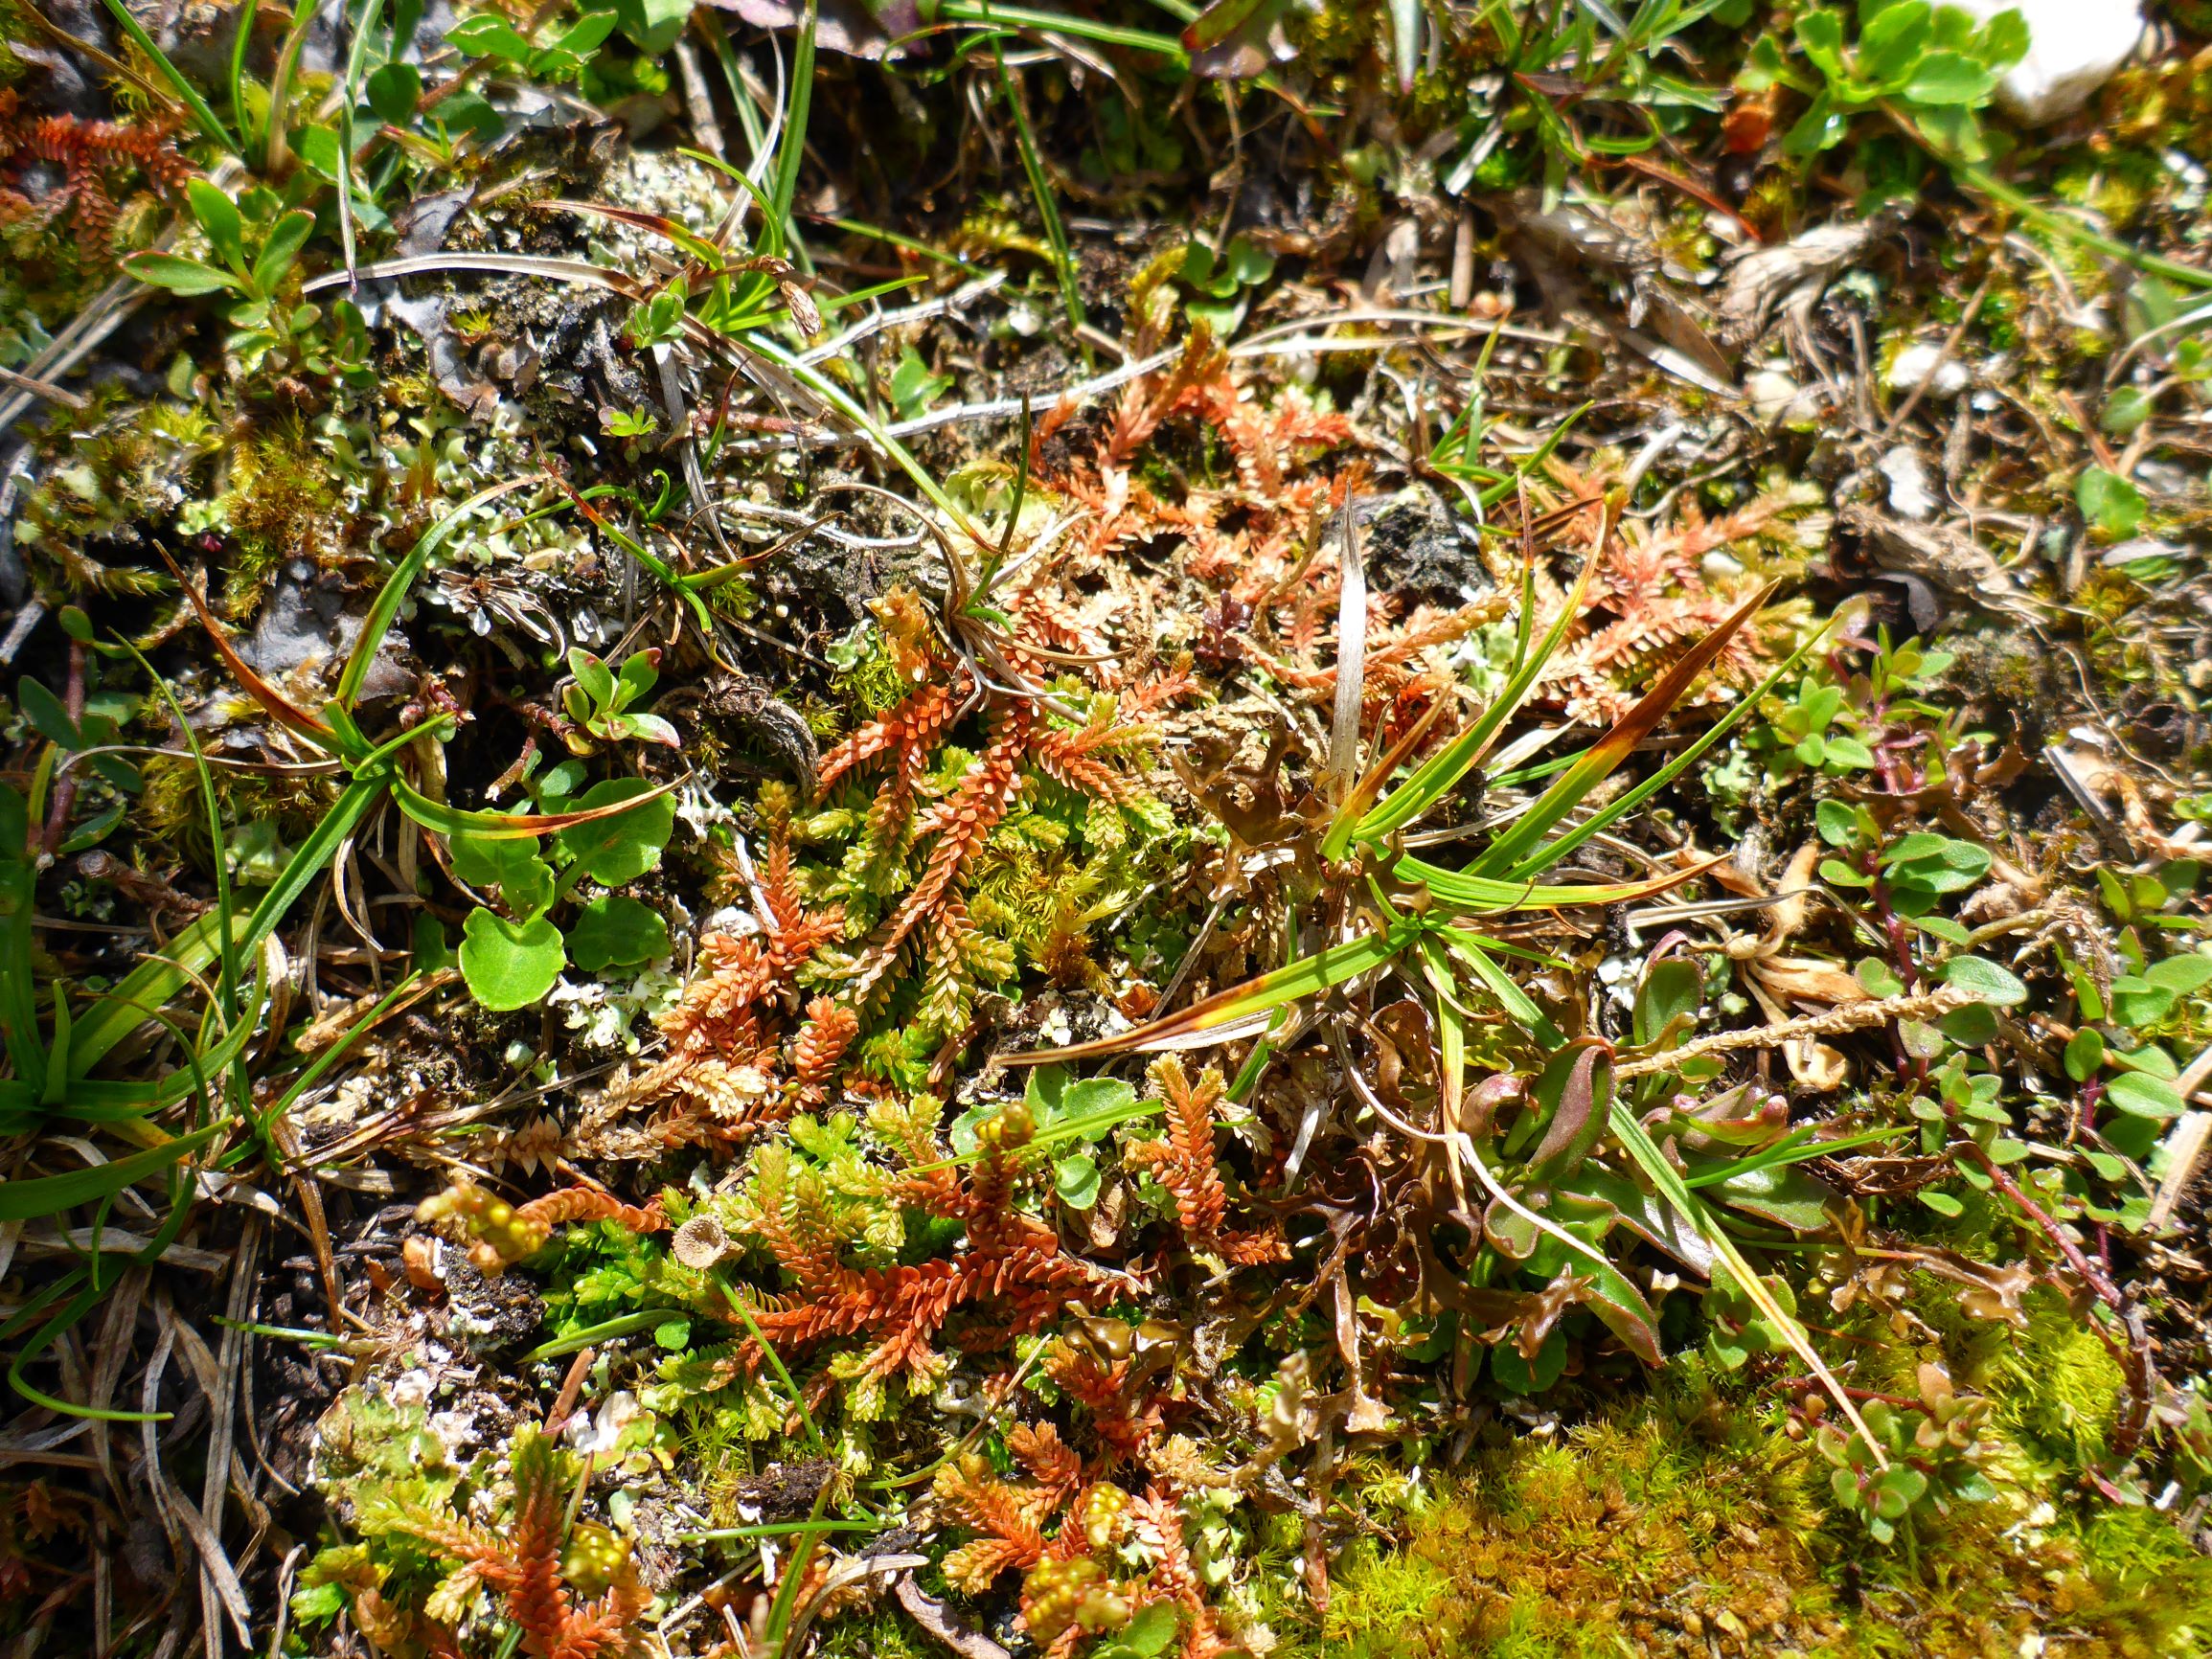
x=2073 y=48
x=1909 y=494
x=1917 y=362
x=1771 y=392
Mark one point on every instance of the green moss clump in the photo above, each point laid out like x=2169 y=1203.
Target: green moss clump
x=1683 y=1523
x=277 y=507
x=116 y=475
x=173 y=812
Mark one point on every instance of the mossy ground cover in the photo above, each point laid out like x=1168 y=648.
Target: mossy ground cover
x=1102 y=831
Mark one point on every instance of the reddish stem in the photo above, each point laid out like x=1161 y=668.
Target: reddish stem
x=65 y=787
x=2134 y=1356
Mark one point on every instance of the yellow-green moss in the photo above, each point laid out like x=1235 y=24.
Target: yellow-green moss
x=174 y=811
x=278 y=508
x=1682 y=1523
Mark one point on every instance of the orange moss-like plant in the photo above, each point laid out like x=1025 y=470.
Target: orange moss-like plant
x=732 y=1068
x=503 y=1234
x=1183 y=1162
x=899 y=746
x=1010 y=1261
x=1652 y=596
x=89 y=153
x=527 y=1565
x=1156 y=1519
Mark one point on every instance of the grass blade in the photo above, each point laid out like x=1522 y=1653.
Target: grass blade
x=1515 y=1002
x=1345 y=825
x=273 y=702
x=1510 y=852
x=511 y=826
x=350 y=96
x=783 y=235
x=1692 y=1209
x=150 y=984
x=1487 y=894
x=1442 y=770
x=313 y=856
x=240 y=39
x=1617 y=809
x=1231 y=1013
x=1041 y=189
x=18 y=989
x=50 y=1194
x=275 y=146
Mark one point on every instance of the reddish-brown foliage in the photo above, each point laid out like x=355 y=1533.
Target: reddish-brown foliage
x=91 y=154
x=1184 y=1164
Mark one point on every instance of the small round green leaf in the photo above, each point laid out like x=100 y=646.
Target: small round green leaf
x=2109 y=504
x=617 y=932
x=1076 y=1180
x=2085 y=1054
x=623 y=845
x=1525 y=1376
x=2184 y=975
x=510 y=965
x=1970 y=1027
x=2143 y=1096
x=394 y=91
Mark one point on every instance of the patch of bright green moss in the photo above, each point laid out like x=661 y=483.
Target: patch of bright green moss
x=1688 y=1522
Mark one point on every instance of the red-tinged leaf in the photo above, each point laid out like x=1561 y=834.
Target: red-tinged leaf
x=1576 y=1088
x=43 y=1195
x=1229 y=40
x=1613 y=1297
x=1442 y=770
x=1218 y=21
x=1241 y=1009
x=1363 y=796
x=274 y=703
x=1597 y=763
x=504 y=826
x=671 y=230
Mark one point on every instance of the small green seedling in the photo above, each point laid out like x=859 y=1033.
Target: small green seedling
x=1930 y=1450
x=1078 y=1113
x=659 y=320
x=1220 y=281
x=1810 y=724
x=253 y=281
x=913 y=388
x=2112 y=507
x=1931 y=66
x=511 y=961
x=486 y=34
x=598 y=702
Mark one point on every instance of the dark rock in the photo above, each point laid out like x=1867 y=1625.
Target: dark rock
x=489 y=1316
x=1415 y=550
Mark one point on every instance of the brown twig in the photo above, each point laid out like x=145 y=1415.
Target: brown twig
x=1851 y=1016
